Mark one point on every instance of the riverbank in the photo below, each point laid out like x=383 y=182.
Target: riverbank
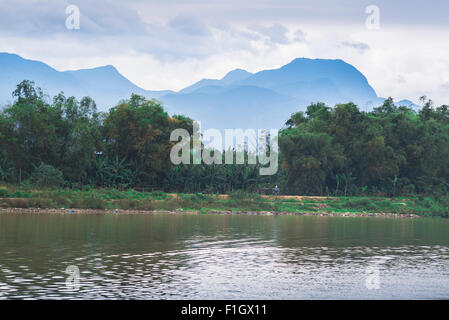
x=190 y=212
x=13 y=199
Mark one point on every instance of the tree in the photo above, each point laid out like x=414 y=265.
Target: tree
x=139 y=130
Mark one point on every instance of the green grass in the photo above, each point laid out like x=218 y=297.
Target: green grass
x=89 y=198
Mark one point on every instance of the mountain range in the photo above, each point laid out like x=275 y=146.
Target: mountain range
x=240 y=99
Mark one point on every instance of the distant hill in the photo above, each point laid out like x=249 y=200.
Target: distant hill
x=267 y=98
x=105 y=84
x=240 y=99
x=228 y=79
x=408 y=104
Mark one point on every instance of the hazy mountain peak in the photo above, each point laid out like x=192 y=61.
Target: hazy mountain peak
x=103 y=69
x=231 y=77
x=236 y=75
x=6 y=56
x=108 y=67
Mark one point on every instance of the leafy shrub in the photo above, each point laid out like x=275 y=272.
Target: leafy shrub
x=439 y=207
x=241 y=194
x=4 y=193
x=87 y=188
x=359 y=203
x=158 y=195
x=385 y=206
x=20 y=194
x=47 y=176
x=7 y=172
x=200 y=196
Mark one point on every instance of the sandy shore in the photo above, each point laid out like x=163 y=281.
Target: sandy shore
x=258 y=213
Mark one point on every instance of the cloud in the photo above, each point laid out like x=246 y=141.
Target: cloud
x=274 y=34
x=299 y=36
x=47 y=18
x=401 y=79
x=360 y=46
x=189 y=25
x=170 y=44
x=445 y=87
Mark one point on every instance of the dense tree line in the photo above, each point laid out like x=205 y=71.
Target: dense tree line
x=344 y=151
x=323 y=151
x=69 y=143
x=126 y=147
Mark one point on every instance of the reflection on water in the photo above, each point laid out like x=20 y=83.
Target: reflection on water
x=222 y=257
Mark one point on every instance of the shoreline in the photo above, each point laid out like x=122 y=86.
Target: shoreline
x=197 y=212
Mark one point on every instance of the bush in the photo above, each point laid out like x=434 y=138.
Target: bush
x=240 y=195
x=385 y=206
x=47 y=176
x=4 y=193
x=359 y=203
x=7 y=172
x=200 y=196
x=20 y=194
x=158 y=195
x=437 y=206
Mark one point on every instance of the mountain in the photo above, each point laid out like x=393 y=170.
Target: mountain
x=267 y=98
x=105 y=84
x=233 y=107
x=229 y=78
x=240 y=99
x=334 y=81
x=408 y=104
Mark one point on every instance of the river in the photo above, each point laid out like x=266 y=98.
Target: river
x=167 y=256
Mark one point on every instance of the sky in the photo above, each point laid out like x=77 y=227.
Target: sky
x=401 y=46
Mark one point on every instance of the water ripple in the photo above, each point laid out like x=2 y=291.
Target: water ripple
x=244 y=265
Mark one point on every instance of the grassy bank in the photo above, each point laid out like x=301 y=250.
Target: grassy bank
x=14 y=197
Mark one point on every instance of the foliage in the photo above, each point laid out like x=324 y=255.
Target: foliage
x=330 y=151
x=139 y=130
x=47 y=176
x=388 y=151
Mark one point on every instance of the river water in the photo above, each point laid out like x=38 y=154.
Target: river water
x=222 y=257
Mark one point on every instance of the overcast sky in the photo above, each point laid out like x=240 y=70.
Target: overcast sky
x=169 y=44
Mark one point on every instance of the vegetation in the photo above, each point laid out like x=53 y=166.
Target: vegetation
x=387 y=152
x=128 y=147
x=334 y=152
x=238 y=201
